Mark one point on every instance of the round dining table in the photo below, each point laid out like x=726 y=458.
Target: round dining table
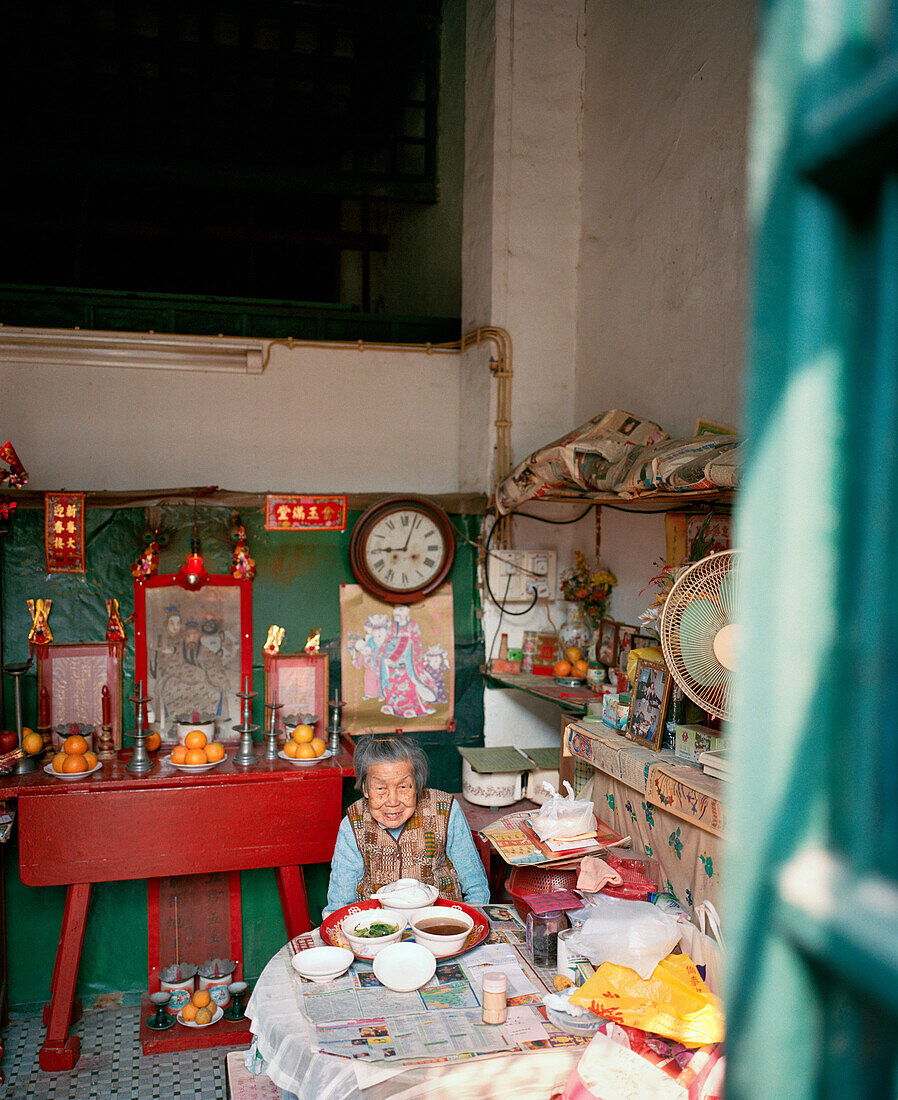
x=282 y=1040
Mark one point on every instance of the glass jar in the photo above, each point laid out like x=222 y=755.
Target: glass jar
x=542 y=936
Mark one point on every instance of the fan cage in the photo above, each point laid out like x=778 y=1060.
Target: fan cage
x=701 y=602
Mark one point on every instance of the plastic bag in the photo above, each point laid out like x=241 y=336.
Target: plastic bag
x=674 y=1002
x=634 y=934
x=563 y=817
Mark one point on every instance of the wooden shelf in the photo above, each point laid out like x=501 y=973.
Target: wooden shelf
x=655 y=501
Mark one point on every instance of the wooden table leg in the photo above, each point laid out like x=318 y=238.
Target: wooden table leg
x=61 y=1051
x=295 y=905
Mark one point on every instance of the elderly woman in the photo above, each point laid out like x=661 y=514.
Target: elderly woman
x=400 y=828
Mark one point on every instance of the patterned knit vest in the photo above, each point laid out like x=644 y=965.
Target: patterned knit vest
x=420 y=851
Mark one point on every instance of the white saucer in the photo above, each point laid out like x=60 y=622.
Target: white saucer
x=404 y=967
x=192 y=1023
x=322 y=964
x=326 y=755
x=48 y=768
x=195 y=767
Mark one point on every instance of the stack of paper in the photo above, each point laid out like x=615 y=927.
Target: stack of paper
x=716 y=763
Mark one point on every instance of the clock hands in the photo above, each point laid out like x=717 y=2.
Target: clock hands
x=409 y=535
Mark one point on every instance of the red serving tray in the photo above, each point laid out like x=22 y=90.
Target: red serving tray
x=330 y=926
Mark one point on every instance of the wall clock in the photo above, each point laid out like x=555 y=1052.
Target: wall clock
x=402 y=549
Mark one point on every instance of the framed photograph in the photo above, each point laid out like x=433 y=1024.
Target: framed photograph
x=648 y=704
x=300 y=682
x=645 y=641
x=606 y=646
x=74 y=676
x=193 y=651
x=625 y=636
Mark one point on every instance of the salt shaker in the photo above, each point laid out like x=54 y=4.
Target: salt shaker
x=495 y=988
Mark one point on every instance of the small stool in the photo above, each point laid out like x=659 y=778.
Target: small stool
x=243 y=1085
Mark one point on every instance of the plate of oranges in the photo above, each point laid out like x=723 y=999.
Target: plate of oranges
x=197 y=754
x=200 y=1011
x=302 y=747
x=74 y=760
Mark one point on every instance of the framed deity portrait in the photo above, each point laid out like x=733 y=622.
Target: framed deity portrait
x=625 y=636
x=74 y=675
x=648 y=704
x=193 y=651
x=298 y=682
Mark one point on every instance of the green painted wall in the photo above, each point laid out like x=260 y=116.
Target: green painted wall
x=296 y=586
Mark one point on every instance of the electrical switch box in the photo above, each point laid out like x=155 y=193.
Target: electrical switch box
x=515 y=575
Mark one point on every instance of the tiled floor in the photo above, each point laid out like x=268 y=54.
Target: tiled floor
x=111 y=1067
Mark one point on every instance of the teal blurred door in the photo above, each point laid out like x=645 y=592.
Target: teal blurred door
x=812 y=910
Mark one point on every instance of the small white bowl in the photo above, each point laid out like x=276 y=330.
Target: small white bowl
x=441 y=946
x=386 y=896
x=367 y=947
x=322 y=964
x=404 y=967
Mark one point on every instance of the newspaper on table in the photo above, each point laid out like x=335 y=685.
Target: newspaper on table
x=517 y=843
x=357 y=1017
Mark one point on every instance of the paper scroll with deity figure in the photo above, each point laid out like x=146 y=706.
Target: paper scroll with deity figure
x=398 y=662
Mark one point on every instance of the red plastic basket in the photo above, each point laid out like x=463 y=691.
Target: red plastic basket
x=636 y=873
x=537 y=880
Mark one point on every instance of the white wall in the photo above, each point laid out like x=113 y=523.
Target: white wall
x=604 y=230
x=661 y=297
x=316 y=420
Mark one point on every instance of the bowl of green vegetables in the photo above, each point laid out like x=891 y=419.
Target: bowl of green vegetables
x=371 y=930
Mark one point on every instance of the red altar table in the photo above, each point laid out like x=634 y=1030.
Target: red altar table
x=114 y=825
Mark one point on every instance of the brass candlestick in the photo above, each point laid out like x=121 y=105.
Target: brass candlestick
x=141 y=762
x=47 y=752
x=271 y=737
x=246 y=753
x=106 y=743
x=335 y=728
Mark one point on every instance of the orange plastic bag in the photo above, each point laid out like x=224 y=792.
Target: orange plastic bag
x=673 y=1002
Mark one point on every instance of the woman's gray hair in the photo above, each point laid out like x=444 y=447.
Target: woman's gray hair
x=371 y=750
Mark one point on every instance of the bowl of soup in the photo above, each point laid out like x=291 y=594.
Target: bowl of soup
x=371 y=930
x=442 y=929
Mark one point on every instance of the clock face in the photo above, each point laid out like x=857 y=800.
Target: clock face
x=402 y=549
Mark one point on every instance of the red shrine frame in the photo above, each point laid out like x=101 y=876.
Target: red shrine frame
x=168 y=623
x=74 y=674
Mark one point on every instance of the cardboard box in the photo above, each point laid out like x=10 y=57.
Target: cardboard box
x=692 y=741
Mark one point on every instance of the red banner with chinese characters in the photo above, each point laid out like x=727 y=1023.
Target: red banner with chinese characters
x=64 y=532
x=291 y=512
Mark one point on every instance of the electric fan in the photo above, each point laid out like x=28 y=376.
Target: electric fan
x=698 y=631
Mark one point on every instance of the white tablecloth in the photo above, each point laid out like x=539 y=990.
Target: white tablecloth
x=282 y=1040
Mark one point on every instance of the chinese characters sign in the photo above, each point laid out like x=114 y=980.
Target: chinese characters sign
x=64 y=532
x=289 y=512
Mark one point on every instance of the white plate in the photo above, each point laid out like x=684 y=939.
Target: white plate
x=326 y=755
x=48 y=768
x=192 y=1023
x=322 y=964
x=195 y=767
x=404 y=967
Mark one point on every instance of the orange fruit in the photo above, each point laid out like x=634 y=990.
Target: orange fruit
x=74 y=762
x=305 y=752
x=58 y=760
x=573 y=653
x=214 y=752
x=580 y=668
x=196 y=756
x=91 y=758
x=204 y=1016
x=188 y=1012
x=196 y=739
x=153 y=741
x=318 y=745
x=179 y=754
x=32 y=743
x=201 y=998
x=302 y=735
x=562 y=668
x=75 y=744
x=291 y=749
